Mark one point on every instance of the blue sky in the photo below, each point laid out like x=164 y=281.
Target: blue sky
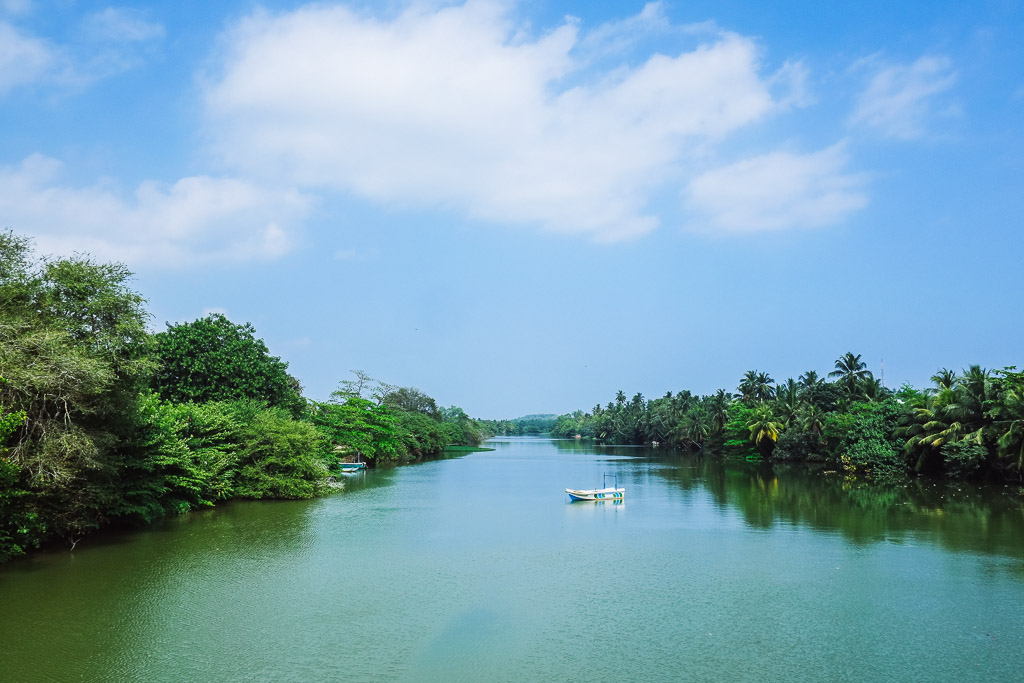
x=524 y=207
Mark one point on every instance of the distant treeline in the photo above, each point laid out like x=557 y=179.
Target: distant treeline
x=968 y=425
x=528 y=425
x=102 y=422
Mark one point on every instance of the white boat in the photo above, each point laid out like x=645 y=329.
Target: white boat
x=613 y=492
x=351 y=467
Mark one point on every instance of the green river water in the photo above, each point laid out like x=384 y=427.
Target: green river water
x=478 y=568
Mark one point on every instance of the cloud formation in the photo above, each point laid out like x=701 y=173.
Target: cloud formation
x=196 y=220
x=460 y=107
x=901 y=99
x=23 y=58
x=778 y=191
x=119 y=25
x=106 y=43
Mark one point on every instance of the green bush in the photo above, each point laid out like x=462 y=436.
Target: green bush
x=963 y=459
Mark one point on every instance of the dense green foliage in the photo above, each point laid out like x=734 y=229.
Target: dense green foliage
x=213 y=359
x=102 y=422
x=75 y=354
x=969 y=425
x=528 y=425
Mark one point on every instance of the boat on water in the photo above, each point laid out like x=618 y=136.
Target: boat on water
x=352 y=467
x=613 y=492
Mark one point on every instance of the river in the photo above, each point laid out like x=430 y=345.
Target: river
x=478 y=568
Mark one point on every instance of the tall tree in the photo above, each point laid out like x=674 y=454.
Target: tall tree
x=851 y=373
x=788 y=401
x=411 y=400
x=74 y=349
x=764 y=429
x=809 y=380
x=1009 y=418
x=719 y=406
x=214 y=359
x=756 y=386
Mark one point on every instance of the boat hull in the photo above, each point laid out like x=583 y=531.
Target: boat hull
x=597 y=494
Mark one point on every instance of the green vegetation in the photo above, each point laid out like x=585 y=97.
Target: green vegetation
x=213 y=359
x=528 y=425
x=969 y=425
x=103 y=423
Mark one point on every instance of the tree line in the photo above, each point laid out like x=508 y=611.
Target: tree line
x=968 y=425
x=527 y=425
x=103 y=422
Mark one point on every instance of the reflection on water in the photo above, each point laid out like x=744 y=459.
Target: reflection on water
x=960 y=516
x=478 y=567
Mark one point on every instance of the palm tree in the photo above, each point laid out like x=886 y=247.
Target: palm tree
x=974 y=392
x=1010 y=424
x=695 y=427
x=788 y=400
x=810 y=379
x=960 y=411
x=929 y=428
x=872 y=390
x=764 y=429
x=944 y=379
x=851 y=372
x=812 y=420
x=755 y=386
x=719 y=404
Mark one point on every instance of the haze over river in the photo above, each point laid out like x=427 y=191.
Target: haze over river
x=478 y=568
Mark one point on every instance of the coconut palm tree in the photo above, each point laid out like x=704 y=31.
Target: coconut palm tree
x=944 y=379
x=695 y=427
x=929 y=427
x=719 y=408
x=756 y=386
x=851 y=372
x=788 y=401
x=973 y=394
x=810 y=379
x=1010 y=421
x=872 y=390
x=812 y=420
x=764 y=429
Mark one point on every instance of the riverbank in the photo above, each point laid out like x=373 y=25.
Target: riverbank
x=970 y=426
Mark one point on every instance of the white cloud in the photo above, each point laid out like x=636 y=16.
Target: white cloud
x=196 y=220
x=900 y=100
x=106 y=43
x=121 y=25
x=617 y=37
x=778 y=191
x=23 y=58
x=791 y=80
x=459 y=107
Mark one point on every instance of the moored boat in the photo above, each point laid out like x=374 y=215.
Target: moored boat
x=613 y=492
